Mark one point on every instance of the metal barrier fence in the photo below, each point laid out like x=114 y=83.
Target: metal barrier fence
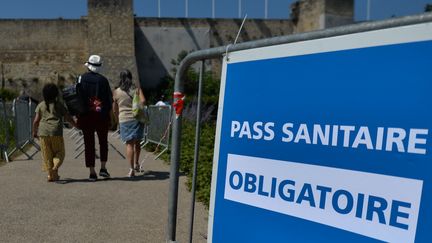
x=8 y=110
x=23 y=119
x=158 y=128
x=4 y=131
x=76 y=135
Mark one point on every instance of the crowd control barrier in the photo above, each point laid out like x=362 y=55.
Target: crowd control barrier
x=24 y=112
x=4 y=131
x=158 y=128
x=76 y=135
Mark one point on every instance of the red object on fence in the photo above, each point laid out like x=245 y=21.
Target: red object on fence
x=178 y=103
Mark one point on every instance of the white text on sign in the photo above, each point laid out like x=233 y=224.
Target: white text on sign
x=389 y=139
x=369 y=204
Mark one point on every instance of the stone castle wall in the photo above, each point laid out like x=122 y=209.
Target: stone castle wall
x=37 y=51
x=33 y=52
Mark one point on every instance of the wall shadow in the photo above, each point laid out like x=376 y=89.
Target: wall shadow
x=188 y=29
x=263 y=28
x=150 y=68
x=214 y=32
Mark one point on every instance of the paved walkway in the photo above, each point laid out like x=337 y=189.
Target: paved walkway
x=75 y=210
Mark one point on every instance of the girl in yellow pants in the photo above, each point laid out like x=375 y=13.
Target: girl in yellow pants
x=53 y=153
x=48 y=127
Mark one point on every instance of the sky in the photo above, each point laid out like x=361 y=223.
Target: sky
x=277 y=9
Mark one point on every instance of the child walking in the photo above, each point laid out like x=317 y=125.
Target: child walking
x=48 y=127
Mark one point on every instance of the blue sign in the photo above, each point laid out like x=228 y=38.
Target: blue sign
x=326 y=140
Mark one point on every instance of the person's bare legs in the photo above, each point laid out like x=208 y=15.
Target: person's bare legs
x=137 y=146
x=130 y=156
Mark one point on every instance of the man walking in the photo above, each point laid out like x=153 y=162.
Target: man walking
x=97 y=97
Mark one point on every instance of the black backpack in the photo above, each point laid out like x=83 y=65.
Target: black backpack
x=74 y=100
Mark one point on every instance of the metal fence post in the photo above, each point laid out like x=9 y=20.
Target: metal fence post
x=196 y=152
x=174 y=170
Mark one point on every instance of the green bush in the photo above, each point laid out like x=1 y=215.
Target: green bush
x=210 y=97
x=205 y=160
x=7 y=94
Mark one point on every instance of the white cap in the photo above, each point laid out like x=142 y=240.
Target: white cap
x=94 y=63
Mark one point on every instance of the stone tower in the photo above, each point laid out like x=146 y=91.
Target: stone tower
x=312 y=15
x=111 y=35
